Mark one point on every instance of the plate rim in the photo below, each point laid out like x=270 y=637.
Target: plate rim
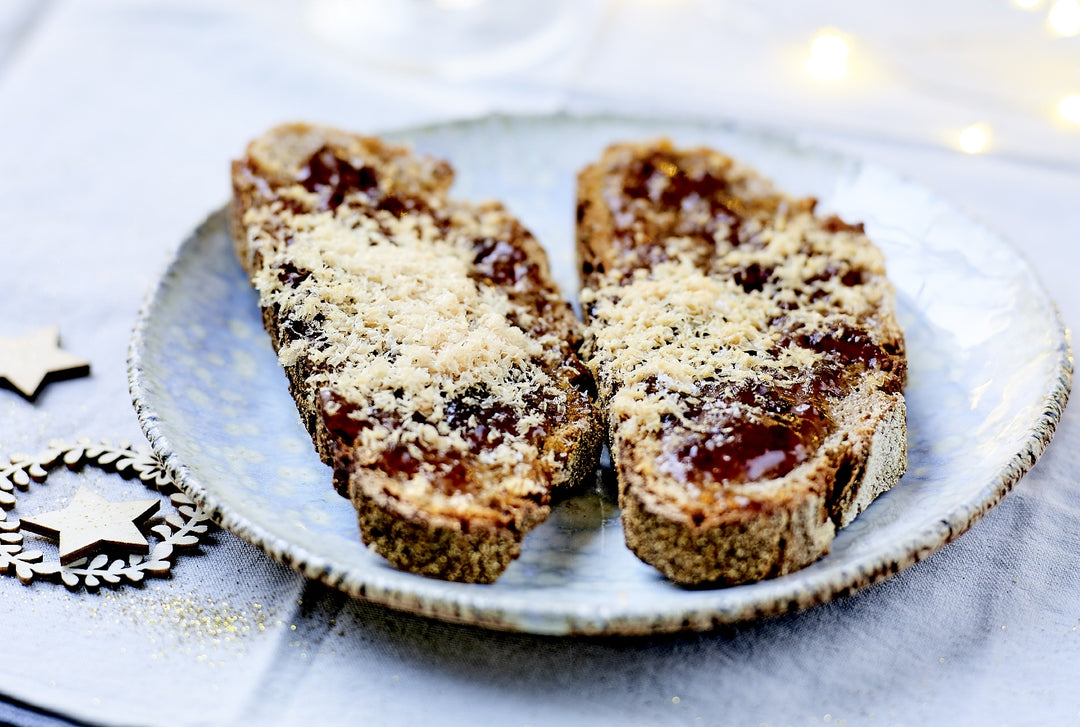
x=472 y=605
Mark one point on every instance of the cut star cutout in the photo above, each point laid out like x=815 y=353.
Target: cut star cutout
x=28 y=363
x=90 y=522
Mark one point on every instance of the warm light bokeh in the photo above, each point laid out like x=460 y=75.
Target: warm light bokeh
x=1069 y=108
x=974 y=139
x=828 y=56
x=1064 y=17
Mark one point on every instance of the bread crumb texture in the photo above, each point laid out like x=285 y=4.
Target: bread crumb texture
x=733 y=333
x=426 y=333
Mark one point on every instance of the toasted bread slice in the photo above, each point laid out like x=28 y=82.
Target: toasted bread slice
x=426 y=345
x=748 y=356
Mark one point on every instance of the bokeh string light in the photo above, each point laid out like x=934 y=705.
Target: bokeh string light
x=975 y=139
x=1069 y=108
x=828 y=56
x=1064 y=17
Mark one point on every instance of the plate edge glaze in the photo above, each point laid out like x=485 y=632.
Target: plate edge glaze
x=473 y=608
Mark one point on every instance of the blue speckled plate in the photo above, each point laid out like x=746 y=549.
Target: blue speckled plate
x=989 y=374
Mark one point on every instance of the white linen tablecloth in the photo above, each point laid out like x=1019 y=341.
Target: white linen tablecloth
x=118 y=119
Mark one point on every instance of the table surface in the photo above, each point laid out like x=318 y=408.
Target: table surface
x=119 y=119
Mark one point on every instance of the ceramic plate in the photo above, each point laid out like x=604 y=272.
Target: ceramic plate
x=989 y=375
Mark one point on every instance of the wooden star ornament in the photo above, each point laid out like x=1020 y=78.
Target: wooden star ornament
x=28 y=363
x=91 y=522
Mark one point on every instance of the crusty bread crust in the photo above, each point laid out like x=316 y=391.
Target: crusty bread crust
x=709 y=294
x=426 y=346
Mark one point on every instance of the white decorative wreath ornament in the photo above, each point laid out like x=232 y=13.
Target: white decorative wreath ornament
x=184 y=528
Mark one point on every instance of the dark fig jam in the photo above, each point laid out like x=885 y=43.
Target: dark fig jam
x=501 y=262
x=291 y=275
x=701 y=203
x=754 y=448
x=748 y=433
x=753 y=277
x=483 y=422
x=343 y=418
x=845 y=347
x=401 y=205
x=326 y=173
x=834 y=224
